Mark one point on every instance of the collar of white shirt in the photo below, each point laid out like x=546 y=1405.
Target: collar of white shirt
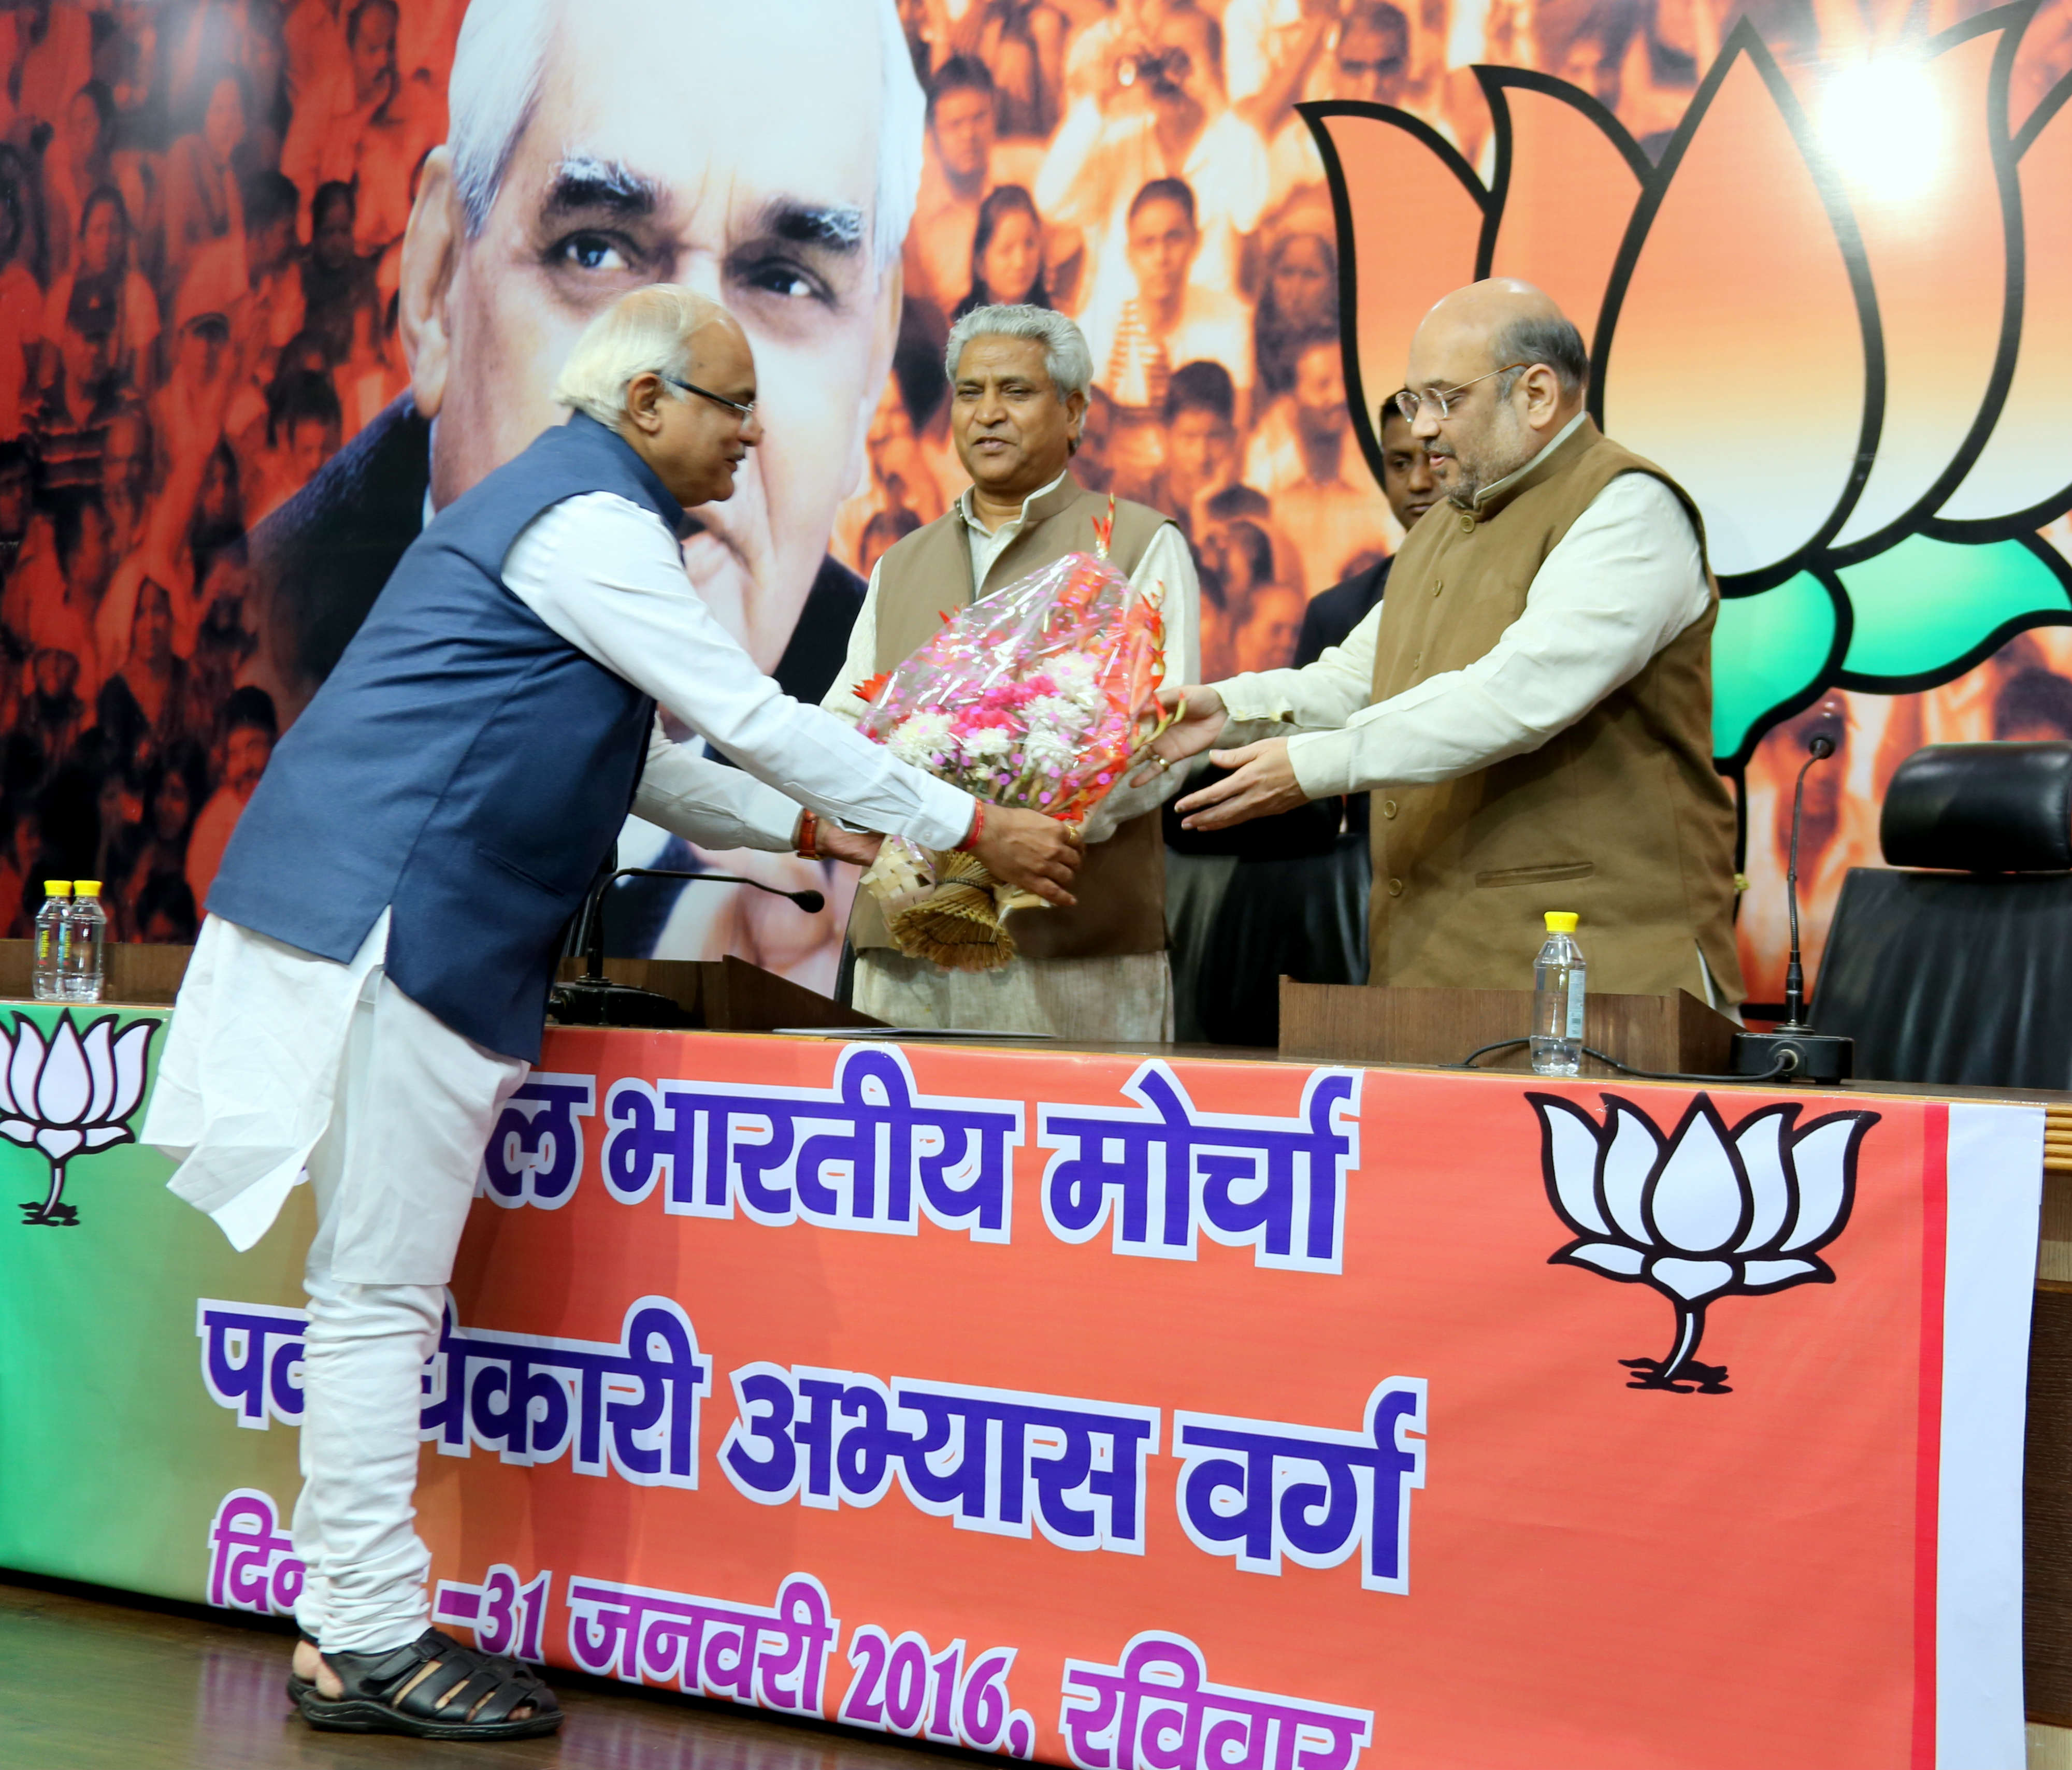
x=1562 y=435
x=1013 y=525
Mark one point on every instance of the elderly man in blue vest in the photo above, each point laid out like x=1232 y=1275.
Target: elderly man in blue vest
x=370 y=984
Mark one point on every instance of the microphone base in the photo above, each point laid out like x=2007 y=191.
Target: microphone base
x=583 y=1004
x=1818 y=1057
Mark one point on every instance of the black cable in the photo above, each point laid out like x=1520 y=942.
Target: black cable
x=1468 y=1062
x=1786 y=1062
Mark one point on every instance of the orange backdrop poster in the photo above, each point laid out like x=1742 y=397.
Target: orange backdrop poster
x=278 y=276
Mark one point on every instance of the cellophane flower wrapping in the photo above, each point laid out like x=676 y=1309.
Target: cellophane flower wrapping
x=1036 y=697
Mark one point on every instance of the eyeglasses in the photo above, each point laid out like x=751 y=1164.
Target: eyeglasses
x=1440 y=399
x=744 y=412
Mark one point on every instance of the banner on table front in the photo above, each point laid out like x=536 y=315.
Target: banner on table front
x=1199 y=1414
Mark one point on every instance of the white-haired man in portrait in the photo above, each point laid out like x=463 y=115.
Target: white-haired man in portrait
x=1018 y=382
x=768 y=156
x=371 y=984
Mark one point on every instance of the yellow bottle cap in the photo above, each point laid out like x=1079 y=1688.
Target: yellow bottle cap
x=89 y=888
x=57 y=887
x=1561 y=922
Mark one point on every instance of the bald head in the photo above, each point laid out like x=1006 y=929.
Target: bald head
x=1510 y=370
x=1500 y=322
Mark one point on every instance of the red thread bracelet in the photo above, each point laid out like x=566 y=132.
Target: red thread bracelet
x=977 y=829
x=809 y=831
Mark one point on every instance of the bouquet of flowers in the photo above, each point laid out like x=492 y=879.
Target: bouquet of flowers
x=1037 y=696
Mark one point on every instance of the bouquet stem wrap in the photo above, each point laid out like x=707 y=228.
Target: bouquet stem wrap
x=958 y=925
x=1036 y=697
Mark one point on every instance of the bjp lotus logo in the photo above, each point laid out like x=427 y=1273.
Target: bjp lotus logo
x=1703 y=1213
x=1838 y=311
x=73 y=1096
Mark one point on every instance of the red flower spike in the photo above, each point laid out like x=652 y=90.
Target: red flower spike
x=1105 y=529
x=872 y=687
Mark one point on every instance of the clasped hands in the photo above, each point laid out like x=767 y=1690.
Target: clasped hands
x=1262 y=784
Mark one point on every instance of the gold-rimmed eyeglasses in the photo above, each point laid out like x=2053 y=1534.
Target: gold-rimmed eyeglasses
x=1440 y=399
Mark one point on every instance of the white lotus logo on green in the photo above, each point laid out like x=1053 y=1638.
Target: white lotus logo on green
x=71 y=1097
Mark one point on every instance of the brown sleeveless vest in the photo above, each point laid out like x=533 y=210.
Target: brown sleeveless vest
x=1621 y=818
x=1121 y=887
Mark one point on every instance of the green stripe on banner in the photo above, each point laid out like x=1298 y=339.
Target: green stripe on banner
x=114 y=1461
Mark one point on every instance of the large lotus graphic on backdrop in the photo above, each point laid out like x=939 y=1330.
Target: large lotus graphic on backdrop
x=71 y=1096
x=1848 y=338
x=1702 y=1213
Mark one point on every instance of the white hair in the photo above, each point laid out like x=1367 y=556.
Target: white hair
x=650 y=331
x=502 y=52
x=1066 y=360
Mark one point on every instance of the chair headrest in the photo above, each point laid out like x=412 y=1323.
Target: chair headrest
x=1981 y=808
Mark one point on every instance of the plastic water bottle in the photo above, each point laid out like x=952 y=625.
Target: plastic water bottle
x=48 y=984
x=1557 y=1000
x=85 y=943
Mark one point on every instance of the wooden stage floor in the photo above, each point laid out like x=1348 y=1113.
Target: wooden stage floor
x=92 y=1685
x=89 y=1685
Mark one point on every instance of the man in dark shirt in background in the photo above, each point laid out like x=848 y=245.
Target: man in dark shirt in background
x=1406 y=478
x=1292 y=901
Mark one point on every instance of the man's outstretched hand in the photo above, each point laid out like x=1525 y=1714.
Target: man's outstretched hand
x=859 y=847
x=1028 y=849
x=1200 y=726
x=1263 y=784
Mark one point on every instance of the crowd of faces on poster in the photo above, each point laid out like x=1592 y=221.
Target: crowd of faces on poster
x=236 y=376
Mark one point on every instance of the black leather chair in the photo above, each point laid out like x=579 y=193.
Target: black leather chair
x=1958 y=968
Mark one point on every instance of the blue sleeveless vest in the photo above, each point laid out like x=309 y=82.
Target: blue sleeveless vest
x=464 y=766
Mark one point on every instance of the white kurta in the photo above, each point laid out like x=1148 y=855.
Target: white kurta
x=257 y=1056
x=1624 y=582
x=1128 y=997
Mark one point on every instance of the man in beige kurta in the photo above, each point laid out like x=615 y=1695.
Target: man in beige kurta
x=1018 y=379
x=1532 y=703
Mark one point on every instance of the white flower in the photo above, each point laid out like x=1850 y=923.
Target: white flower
x=1043 y=746
x=920 y=737
x=1054 y=713
x=1076 y=676
x=988 y=741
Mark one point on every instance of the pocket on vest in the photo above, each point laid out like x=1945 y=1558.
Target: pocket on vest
x=504 y=864
x=1552 y=874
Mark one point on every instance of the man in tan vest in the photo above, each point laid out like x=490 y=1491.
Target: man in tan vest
x=1531 y=705
x=1018 y=379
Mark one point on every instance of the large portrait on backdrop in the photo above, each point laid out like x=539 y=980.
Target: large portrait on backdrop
x=279 y=280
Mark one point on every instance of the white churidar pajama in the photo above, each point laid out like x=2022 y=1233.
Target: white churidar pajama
x=1129 y=996
x=280 y=1063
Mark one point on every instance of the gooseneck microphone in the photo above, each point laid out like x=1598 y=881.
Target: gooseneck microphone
x=1819 y=750
x=594 y=1000
x=1803 y=1054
